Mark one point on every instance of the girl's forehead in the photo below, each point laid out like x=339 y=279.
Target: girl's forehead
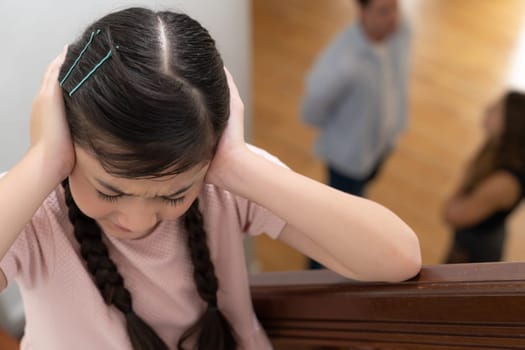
x=149 y=187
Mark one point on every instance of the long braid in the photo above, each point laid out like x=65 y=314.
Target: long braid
x=213 y=330
x=107 y=278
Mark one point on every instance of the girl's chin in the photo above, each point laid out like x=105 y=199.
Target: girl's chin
x=120 y=232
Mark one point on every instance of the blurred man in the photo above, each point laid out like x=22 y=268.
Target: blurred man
x=356 y=95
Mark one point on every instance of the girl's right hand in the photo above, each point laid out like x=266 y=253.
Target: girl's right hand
x=49 y=129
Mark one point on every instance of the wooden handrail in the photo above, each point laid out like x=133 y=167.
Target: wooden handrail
x=453 y=307
x=7 y=342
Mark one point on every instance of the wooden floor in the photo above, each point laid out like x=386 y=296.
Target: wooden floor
x=463 y=54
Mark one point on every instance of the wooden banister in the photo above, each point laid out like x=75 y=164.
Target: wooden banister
x=7 y=342
x=453 y=307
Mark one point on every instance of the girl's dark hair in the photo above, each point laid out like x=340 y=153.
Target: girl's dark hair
x=156 y=107
x=506 y=151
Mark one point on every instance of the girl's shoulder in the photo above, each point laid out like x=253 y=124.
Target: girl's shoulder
x=222 y=208
x=213 y=196
x=53 y=205
x=226 y=210
x=32 y=256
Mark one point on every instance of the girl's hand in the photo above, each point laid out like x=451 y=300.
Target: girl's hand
x=49 y=130
x=231 y=146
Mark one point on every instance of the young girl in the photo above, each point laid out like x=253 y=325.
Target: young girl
x=123 y=223
x=493 y=187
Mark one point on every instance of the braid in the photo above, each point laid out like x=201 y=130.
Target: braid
x=212 y=329
x=107 y=278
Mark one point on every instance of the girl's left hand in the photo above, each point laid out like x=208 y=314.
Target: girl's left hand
x=231 y=145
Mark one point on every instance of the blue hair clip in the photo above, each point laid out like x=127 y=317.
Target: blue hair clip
x=79 y=57
x=90 y=73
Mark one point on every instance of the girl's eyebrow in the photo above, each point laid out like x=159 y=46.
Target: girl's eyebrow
x=111 y=188
x=178 y=192
x=122 y=193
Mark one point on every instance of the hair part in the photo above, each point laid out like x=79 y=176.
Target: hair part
x=159 y=105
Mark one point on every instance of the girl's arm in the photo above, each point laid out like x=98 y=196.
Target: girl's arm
x=353 y=236
x=499 y=191
x=47 y=162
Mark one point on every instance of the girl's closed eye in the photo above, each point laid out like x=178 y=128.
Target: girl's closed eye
x=174 y=201
x=108 y=197
x=115 y=197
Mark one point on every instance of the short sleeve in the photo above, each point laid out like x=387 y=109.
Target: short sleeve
x=20 y=260
x=28 y=260
x=256 y=219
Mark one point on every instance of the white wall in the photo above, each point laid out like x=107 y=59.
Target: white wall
x=33 y=32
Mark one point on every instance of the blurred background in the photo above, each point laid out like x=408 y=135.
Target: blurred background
x=465 y=54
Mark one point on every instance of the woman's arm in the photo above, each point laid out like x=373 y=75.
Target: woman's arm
x=498 y=191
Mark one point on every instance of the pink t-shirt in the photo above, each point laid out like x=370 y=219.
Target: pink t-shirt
x=64 y=309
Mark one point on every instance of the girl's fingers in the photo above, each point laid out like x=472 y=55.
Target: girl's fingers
x=51 y=75
x=231 y=84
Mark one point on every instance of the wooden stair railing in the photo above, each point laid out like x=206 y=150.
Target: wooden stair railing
x=7 y=342
x=452 y=307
